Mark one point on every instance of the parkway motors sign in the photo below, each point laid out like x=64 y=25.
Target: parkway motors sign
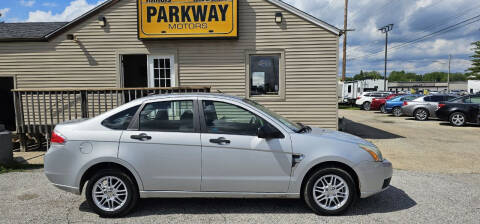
x=187 y=18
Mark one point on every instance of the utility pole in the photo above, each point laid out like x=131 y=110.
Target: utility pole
x=385 y=30
x=448 y=77
x=344 y=64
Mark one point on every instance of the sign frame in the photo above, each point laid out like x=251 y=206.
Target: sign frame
x=236 y=22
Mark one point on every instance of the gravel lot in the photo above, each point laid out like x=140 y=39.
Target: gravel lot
x=432 y=146
x=414 y=197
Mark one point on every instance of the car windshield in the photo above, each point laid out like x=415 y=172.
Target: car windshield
x=294 y=127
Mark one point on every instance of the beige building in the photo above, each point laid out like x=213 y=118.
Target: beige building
x=281 y=57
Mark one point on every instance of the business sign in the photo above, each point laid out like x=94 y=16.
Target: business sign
x=187 y=18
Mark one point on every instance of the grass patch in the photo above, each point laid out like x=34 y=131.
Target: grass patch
x=347 y=107
x=18 y=167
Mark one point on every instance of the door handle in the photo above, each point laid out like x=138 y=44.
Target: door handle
x=141 y=137
x=220 y=141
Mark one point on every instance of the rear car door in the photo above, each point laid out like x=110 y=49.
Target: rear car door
x=163 y=144
x=234 y=159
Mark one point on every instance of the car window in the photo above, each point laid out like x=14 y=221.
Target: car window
x=225 y=118
x=434 y=98
x=120 y=120
x=448 y=98
x=475 y=99
x=167 y=116
x=410 y=97
x=427 y=99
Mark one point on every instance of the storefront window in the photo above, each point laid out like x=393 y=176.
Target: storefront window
x=264 y=75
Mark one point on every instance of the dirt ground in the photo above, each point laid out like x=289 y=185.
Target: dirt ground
x=432 y=146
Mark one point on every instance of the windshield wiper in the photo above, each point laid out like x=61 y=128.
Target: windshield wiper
x=304 y=128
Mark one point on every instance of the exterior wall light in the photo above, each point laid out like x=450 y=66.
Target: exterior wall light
x=102 y=21
x=278 y=17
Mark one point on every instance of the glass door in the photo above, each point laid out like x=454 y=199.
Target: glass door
x=161 y=72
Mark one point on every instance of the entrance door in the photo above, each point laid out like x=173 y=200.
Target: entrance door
x=7 y=114
x=161 y=71
x=135 y=73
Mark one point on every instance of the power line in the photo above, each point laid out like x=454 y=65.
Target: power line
x=436 y=33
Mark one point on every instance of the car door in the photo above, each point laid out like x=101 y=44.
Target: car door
x=163 y=144
x=472 y=105
x=234 y=159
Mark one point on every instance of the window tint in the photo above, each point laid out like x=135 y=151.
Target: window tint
x=120 y=120
x=224 y=118
x=264 y=74
x=475 y=99
x=167 y=116
x=427 y=99
x=448 y=98
x=349 y=89
x=435 y=99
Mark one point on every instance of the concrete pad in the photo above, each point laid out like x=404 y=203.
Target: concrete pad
x=34 y=158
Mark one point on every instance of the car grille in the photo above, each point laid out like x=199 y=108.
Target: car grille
x=386 y=183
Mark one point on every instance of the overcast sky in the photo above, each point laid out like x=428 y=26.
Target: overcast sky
x=412 y=18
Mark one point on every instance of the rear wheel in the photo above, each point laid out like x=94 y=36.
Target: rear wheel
x=457 y=119
x=421 y=114
x=366 y=106
x=111 y=193
x=397 y=111
x=330 y=191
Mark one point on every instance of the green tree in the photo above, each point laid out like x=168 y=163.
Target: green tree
x=367 y=75
x=475 y=69
x=402 y=76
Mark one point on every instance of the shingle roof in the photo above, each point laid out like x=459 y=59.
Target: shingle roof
x=28 y=31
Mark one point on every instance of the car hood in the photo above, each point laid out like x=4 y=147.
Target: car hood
x=338 y=136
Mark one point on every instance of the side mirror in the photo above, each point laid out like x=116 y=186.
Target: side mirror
x=268 y=132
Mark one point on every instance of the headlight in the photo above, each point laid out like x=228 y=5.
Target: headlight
x=373 y=151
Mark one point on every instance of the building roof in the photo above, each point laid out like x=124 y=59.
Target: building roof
x=45 y=31
x=27 y=31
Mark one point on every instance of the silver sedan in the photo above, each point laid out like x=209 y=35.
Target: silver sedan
x=209 y=145
x=424 y=107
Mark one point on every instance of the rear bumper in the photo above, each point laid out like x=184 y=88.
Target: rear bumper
x=374 y=177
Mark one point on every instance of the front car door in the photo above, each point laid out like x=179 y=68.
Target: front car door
x=234 y=159
x=163 y=144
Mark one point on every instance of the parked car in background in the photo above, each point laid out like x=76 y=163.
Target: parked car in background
x=395 y=104
x=460 y=111
x=210 y=145
x=364 y=101
x=424 y=107
x=379 y=103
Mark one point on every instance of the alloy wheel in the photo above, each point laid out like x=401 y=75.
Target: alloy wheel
x=421 y=115
x=458 y=119
x=397 y=112
x=330 y=192
x=110 y=193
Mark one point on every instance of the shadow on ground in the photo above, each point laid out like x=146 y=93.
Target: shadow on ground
x=391 y=200
x=365 y=131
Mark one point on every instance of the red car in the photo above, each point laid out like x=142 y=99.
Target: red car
x=379 y=103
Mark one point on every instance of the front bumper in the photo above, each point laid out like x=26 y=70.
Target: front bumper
x=374 y=177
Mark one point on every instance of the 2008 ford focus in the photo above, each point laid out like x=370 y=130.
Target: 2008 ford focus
x=208 y=145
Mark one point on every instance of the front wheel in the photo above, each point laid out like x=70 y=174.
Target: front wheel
x=330 y=191
x=397 y=112
x=457 y=119
x=111 y=193
x=382 y=109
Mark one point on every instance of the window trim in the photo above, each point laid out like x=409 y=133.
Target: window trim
x=281 y=74
x=203 y=125
x=135 y=123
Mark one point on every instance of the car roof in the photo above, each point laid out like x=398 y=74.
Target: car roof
x=173 y=95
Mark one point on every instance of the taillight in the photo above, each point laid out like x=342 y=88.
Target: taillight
x=440 y=105
x=359 y=97
x=373 y=99
x=57 y=138
x=405 y=103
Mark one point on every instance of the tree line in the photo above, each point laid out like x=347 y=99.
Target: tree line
x=401 y=76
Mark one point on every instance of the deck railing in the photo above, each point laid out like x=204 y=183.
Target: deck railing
x=39 y=110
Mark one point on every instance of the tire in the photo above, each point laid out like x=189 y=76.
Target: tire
x=421 y=114
x=324 y=206
x=382 y=109
x=366 y=106
x=397 y=111
x=125 y=186
x=457 y=119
